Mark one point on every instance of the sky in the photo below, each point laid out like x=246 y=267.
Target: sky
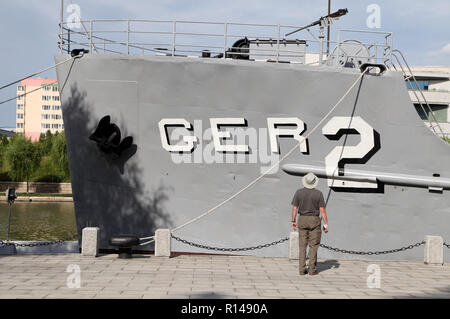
x=29 y=28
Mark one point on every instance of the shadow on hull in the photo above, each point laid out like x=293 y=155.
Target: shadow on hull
x=116 y=203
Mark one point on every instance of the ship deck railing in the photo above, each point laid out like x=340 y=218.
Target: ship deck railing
x=216 y=39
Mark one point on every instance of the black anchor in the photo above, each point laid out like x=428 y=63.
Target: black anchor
x=107 y=136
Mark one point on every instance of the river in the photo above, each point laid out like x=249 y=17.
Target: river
x=39 y=221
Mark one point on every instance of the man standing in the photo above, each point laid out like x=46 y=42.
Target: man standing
x=309 y=201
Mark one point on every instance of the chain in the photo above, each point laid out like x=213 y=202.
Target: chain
x=40 y=244
x=447 y=245
x=184 y=241
x=383 y=252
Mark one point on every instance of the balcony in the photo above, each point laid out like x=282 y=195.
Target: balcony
x=432 y=97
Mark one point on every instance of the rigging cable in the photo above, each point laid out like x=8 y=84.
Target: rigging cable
x=269 y=169
x=278 y=162
x=34 y=74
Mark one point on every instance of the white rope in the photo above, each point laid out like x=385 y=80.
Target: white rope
x=37 y=73
x=34 y=74
x=145 y=238
x=146 y=243
x=29 y=92
x=274 y=165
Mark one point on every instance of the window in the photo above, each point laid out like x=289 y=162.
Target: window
x=21 y=97
x=21 y=88
x=422 y=84
x=56 y=116
x=47 y=88
x=20 y=115
x=46 y=98
x=55 y=126
x=55 y=98
x=439 y=112
x=19 y=125
x=46 y=107
x=20 y=106
x=55 y=88
x=56 y=107
x=45 y=126
x=45 y=116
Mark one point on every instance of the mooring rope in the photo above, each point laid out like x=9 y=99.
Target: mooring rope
x=276 y=164
x=34 y=74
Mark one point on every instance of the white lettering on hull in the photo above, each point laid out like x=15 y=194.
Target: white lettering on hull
x=240 y=142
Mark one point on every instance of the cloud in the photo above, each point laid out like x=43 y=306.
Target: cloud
x=445 y=50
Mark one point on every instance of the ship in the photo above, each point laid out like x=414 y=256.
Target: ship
x=206 y=128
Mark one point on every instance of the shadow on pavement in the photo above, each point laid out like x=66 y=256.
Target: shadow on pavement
x=440 y=293
x=328 y=264
x=209 y=295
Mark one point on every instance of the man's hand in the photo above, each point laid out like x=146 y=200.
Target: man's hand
x=294 y=225
x=325 y=229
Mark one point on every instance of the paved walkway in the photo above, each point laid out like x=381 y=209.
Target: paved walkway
x=194 y=276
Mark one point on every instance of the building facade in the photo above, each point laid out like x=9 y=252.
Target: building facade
x=38 y=108
x=434 y=82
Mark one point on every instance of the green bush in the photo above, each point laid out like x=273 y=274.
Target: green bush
x=42 y=161
x=58 y=156
x=23 y=158
x=3 y=145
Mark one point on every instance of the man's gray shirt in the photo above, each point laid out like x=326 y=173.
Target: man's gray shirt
x=308 y=201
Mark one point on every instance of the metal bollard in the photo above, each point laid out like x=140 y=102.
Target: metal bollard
x=293 y=245
x=434 y=250
x=90 y=241
x=162 y=243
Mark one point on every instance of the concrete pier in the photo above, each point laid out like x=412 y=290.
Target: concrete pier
x=196 y=276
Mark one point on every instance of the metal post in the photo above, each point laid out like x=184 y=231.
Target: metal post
x=328 y=30
x=321 y=36
x=225 y=40
x=338 y=49
x=173 y=38
x=90 y=35
x=68 y=40
x=9 y=219
x=61 y=27
x=278 y=44
x=391 y=46
x=128 y=36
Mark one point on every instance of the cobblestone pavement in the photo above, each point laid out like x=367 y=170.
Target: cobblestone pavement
x=198 y=276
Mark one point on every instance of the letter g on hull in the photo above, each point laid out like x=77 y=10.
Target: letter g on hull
x=188 y=139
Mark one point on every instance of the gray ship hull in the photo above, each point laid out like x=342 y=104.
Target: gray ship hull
x=148 y=188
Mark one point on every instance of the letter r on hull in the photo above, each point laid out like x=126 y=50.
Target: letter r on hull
x=274 y=132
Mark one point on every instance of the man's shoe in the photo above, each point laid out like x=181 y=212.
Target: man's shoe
x=313 y=273
x=301 y=273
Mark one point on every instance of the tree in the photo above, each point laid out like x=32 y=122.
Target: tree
x=3 y=145
x=23 y=158
x=45 y=143
x=58 y=155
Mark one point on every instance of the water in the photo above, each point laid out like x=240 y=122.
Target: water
x=39 y=221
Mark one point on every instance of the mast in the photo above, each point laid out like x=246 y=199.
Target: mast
x=61 y=20
x=328 y=29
